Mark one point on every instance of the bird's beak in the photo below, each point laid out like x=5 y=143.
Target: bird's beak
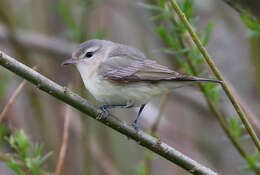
x=69 y=61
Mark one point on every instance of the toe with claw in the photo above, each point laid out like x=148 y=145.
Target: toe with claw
x=104 y=111
x=136 y=127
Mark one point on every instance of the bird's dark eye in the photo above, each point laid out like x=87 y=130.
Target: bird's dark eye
x=89 y=54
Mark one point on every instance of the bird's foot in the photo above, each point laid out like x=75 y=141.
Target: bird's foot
x=103 y=111
x=136 y=127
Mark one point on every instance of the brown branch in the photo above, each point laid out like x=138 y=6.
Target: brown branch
x=11 y=100
x=64 y=143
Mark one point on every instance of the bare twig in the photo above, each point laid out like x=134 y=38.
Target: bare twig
x=67 y=96
x=11 y=100
x=64 y=142
x=217 y=73
x=251 y=117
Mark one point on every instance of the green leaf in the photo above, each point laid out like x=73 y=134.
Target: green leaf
x=23 y=143
x=36 y=162
x=163 y=33
x=15 y=166
x=235 y=126
x=187 y=8
x=45 y=157
x=174 y=52
x=3 y=132
x=206 y=34
x=252 y=24
x=160 y=16
x=253 y=163
x=150 y=6
x=141 y=169
x=250 y=168
x=184 y=66
x=20 y=142
x=212 y=90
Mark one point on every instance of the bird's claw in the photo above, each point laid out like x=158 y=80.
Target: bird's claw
x=103 y=111
x=136 y=127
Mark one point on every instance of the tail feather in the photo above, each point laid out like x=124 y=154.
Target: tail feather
x=192 y=78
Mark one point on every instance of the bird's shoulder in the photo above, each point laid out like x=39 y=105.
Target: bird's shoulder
x=128 y=64
x=127 y=52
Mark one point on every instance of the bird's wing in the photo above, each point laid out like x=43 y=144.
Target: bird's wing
x=132 y=66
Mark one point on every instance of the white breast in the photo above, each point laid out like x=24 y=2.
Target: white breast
x=112 y=93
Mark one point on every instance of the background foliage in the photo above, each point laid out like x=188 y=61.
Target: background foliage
x=230 y=33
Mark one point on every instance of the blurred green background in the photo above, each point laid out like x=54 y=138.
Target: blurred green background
x=43 y=33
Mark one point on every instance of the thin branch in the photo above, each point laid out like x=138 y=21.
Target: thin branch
x=64 y=142
x=6 y=158
x=250 y=8
x=39 y=42
x=67 y=96
x=212 y=106
x=11 y=100
x=217 y=73
x=255 y=56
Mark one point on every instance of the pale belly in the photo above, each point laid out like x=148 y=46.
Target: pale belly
x=112 y=93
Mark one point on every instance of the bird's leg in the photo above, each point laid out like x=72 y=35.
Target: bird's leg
x=134 y=124
x=105 y=108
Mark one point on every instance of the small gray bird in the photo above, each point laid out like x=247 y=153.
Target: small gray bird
x=120 y=76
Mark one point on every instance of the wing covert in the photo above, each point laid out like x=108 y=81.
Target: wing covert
x=126 y=64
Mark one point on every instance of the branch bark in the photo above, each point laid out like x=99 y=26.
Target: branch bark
x=11 y=100
x=67 y=96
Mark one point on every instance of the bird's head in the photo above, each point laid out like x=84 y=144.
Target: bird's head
x=89 y=51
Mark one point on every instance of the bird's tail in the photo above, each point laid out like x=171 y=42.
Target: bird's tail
x=183 y=80
x=192 y=78
x=195 y=79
